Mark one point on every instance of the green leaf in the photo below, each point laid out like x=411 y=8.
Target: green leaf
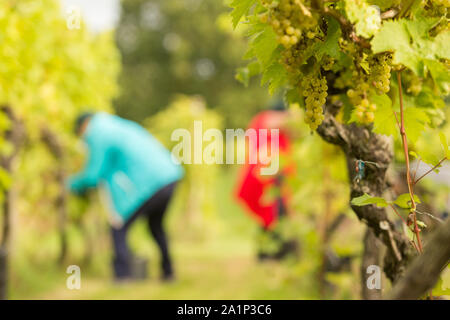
x=428 y=99
x=414 y=48
x=395 y=37
x=384 y=122
x=442 y=287
x=383 y=4
x=404 y=200
x=442 y=45
x=240 y=8
x=276 y=76
x=292 y=95
x=244 y=74
x=366 y=199
x=439 y=73
x=263 y=46
x=415 y=121
x=330 y=46
x=413 y=154
x=421 y=224
x=444 y=144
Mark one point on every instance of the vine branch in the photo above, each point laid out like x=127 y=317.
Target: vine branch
x=424 y=272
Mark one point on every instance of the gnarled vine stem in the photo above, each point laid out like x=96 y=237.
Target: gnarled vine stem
x=358 y=142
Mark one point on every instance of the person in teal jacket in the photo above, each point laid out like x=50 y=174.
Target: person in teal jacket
x=138 y=175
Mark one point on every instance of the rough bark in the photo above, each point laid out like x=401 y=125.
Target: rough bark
x=360 y=143
x=424 y=271
x=371 y=256
x=14 y=135
x=54 y=146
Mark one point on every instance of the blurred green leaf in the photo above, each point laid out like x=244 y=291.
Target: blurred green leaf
x=404 y=200
x=366 y=199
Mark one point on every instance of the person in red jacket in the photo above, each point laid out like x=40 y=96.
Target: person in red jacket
x=252 y=187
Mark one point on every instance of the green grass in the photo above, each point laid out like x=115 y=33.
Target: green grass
x=230 y=273
x=213 y=260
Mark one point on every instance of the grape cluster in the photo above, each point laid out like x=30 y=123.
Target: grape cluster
x=291 y=20
x=314 y=89
x=438 y=8
x=413 y=83
x=327 y=63
x=370 y=21
x=364 y=109
x=293 y=58
x=444 y=3
x=380 y=72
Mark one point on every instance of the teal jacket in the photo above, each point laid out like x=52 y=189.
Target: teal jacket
x=127 y=160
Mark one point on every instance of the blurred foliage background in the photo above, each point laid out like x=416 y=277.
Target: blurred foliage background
x=167 y=64
x=182 y=47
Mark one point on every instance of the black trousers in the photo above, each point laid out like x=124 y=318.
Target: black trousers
x=153 y=210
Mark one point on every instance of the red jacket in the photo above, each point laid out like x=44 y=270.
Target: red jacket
x=252 y=186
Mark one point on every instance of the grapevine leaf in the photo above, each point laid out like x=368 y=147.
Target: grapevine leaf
x=240 y=8
x=384 y=122
x=404 y=200
x=382 y=4
x=418 y=28
x=292 y=96
x=421 y=224
x=275 y=75
x=427 y=99
x=414 y=48
x=415 y=121
x=439 y=73
x=366 y=199
x=244 y=74
x=413 y=154
x=444 y=144
x=263 y=46
x=330 y=46
x=394 y=36
x=428 y=157
x=254 y=28
x=442 y=45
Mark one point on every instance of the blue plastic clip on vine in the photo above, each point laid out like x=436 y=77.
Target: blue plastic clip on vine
x=360 y=169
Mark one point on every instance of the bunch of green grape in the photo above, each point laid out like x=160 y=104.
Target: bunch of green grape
x=293 y=58
x=413 y=83
x=314 y=89
x=443 y=3
x=438 y=8
x=291 y=20
x=364 y=109
x=380 y=72
x=327 y=63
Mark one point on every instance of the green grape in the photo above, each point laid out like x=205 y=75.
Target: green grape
x=289 y=20
x=314 y=89
x=444 y=3
x=364 y=111
x=380 y=72
x=412 y=82
x=327 y=63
